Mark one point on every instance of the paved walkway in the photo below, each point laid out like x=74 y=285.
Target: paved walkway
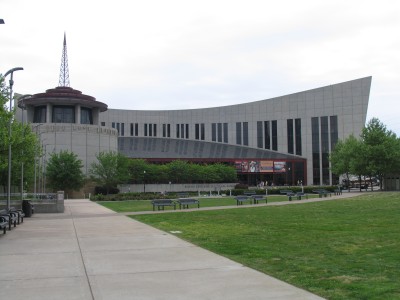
x=90 y=252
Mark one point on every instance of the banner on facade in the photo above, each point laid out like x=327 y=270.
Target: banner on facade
x=260 y=166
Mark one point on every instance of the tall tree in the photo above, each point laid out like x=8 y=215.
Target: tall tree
x=5 y=117
x=342 y=156
x=382 y=152
x=112 y=168
x=136 y=170
x=179 y=171
x=23 y=144
x=64 y=171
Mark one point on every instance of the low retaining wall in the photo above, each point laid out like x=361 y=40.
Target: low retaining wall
x=41 y=206
x=163 y=188
x=46 y=207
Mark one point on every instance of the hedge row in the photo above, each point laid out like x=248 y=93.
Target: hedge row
x=235 y=192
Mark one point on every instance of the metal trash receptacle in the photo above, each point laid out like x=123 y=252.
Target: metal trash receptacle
x=27 y=208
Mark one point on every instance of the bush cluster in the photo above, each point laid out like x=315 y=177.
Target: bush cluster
x=234 y=192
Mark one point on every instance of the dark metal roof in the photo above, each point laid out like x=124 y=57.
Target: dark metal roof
x=169 y=149
x=64 y=96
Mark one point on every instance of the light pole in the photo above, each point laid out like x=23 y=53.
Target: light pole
x=11 y=72
x=144 y=181
x=36 y=148
x=43 y=170
x=22 y=106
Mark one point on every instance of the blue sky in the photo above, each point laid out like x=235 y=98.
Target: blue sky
x=191 y=54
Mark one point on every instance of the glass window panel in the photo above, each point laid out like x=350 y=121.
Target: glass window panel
x=245 y=133
x=274 y=135
x=63 y=114
x=259 y=134
x=290 y=141
x=298 y=136
x=214 y=132
x=267 y=135
x=225 y=132
x=238 y=133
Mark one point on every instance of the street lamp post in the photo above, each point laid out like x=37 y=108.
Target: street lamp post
x=22 y=106
x=144 y=181
x=36 y=158
x=11 y=72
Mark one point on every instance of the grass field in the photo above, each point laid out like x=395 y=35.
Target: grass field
x=343 y=249
x=145 y=205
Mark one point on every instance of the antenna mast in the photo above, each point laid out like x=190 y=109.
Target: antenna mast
x=64 y=73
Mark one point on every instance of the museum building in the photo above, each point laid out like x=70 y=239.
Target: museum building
x=285 y=140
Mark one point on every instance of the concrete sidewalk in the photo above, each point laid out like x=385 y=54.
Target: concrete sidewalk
x=90 y=252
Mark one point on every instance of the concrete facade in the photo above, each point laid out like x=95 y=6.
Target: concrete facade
x=336 y=111
x=86 y=141
x=297 y=131
x=56 y=116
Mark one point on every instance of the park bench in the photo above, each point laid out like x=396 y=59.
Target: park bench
x=162 y=203
x=3 y=223
x=288 y=193
x=182 y=195
x=338 y=192
x=184 y=203
x=241 y=199
x=19 y=213
x=257 y=198
x=322 y=193
x=11 y=217
x=301 y=194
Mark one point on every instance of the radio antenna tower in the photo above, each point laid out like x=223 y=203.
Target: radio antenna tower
x=64 y=73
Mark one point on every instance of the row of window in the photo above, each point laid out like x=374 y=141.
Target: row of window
x=324 y=137
x=267 y=132
x=62 y=114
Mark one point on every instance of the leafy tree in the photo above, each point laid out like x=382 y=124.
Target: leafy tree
x=24 y=144
x=136 y=170
x=64 y=171
x=375 y=154
x=5 y=116
x=225 y=173
x=340 y=163
x=382 y=149
x=358 y=162
x=178 y=171
x=112 y=168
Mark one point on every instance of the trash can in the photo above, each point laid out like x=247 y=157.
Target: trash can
x=27 y=208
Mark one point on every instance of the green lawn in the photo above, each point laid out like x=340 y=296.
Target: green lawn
x=145 y=205
x=343 y=249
